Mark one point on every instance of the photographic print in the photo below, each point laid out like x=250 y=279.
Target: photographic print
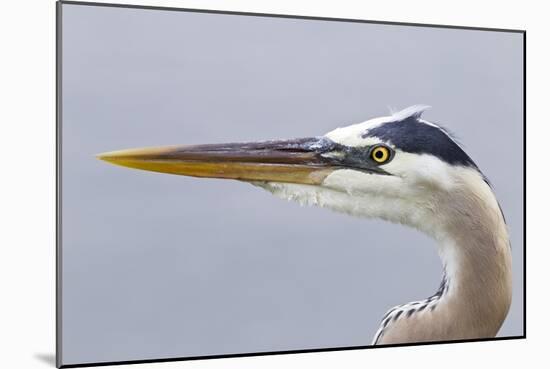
x=235 y=184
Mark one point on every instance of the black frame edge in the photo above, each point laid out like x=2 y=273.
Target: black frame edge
x=273 y=15
x=525 y=184
x=58 y=197
x=306 y=351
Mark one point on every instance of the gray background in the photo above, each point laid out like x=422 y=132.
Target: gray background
x=158 y=266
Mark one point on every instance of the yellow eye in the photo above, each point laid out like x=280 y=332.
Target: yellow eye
x=380 y=154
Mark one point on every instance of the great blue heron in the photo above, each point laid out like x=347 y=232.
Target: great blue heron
x=399 y=168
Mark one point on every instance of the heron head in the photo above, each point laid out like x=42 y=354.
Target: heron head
x=407 y=155
x=383 y=167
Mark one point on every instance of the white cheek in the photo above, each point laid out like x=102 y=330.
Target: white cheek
x=380 y=196
x=423 y=170
x=358 y=194
x=357 y=182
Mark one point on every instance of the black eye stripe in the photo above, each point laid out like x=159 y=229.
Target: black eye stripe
x=414 y=136
x=358 y=158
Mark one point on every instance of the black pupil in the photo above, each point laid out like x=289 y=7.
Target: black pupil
x=379 y=154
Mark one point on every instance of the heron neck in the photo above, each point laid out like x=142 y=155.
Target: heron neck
x=476 y=288
x=475 y=252
x=475 y=294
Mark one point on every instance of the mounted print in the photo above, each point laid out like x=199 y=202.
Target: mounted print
x=241 y=184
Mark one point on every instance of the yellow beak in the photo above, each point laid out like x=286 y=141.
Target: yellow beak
x=291 y=161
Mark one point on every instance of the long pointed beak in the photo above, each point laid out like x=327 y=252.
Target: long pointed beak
x=291 y=161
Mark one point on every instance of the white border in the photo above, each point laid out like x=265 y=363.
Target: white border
x=27 y=241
